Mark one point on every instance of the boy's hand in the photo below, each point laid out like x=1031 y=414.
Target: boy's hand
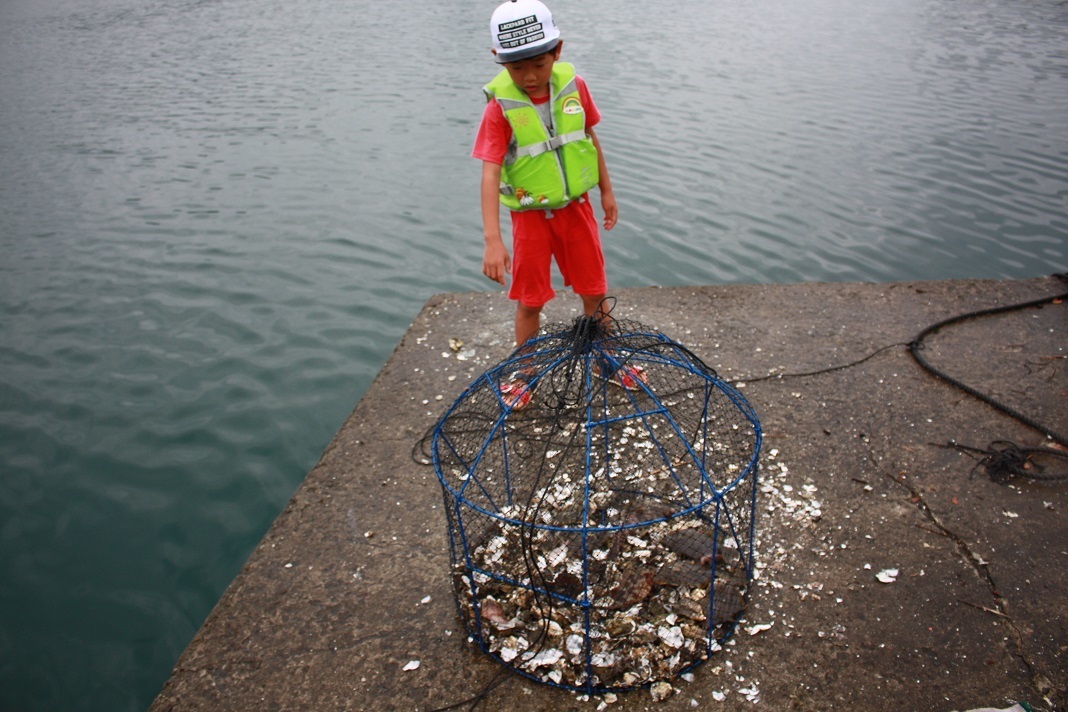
x=496 y=262
x=611 y=211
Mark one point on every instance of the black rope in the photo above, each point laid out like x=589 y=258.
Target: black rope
x=588 y=330
x=1003 y=460
x=831 y=369
x=916 y=348
x=499 y=678
x=585 y=334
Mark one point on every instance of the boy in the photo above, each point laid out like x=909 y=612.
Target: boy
x=540 y=156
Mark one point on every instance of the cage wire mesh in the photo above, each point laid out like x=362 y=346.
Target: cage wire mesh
x=601 y=537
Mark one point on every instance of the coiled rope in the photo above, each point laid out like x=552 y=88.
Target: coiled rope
x=1003 y=459
x=916 y=348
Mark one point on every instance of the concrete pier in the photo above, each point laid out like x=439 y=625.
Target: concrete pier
x=351 y=582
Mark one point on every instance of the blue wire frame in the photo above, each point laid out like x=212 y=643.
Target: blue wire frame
x=460 y=506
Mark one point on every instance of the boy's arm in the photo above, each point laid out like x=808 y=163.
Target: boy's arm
x=496 y=262
x=608 y=198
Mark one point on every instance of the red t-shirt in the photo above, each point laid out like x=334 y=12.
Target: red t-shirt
x=494 y=133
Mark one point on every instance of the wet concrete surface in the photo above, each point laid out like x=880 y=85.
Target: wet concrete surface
x=351 y=583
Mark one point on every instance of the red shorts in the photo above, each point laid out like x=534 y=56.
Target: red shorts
x=571 y=237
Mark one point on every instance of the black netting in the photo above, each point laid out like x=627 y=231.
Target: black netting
x=601 y=534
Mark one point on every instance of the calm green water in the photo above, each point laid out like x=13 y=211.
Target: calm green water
x=217 y=217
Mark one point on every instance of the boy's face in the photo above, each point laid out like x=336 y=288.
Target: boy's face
x=534 y=75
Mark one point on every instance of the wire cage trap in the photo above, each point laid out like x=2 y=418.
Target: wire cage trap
x=601 y=535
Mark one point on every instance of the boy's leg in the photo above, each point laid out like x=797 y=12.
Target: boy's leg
x=531 y=256
x=590 y=302
x=517 y=391
x=527 y=323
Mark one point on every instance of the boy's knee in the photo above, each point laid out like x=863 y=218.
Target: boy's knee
x=524 y=310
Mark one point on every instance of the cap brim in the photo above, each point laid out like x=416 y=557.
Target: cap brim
x=525 y=52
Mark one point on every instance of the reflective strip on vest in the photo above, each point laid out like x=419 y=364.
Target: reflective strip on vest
x=536 y=149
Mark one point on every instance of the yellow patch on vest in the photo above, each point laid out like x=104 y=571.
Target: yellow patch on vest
x=572 y=105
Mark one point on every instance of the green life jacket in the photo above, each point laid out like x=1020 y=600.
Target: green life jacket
x=545 y=169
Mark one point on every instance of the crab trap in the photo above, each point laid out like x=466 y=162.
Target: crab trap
x=600 y=513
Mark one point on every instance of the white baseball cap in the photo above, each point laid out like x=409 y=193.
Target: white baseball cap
x=522 y=29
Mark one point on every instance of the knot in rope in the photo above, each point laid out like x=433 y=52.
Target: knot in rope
x=1005 y=459
x=588 y=330
x=1002 y=460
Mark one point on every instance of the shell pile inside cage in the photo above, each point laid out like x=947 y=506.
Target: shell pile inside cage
x=601 y=537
